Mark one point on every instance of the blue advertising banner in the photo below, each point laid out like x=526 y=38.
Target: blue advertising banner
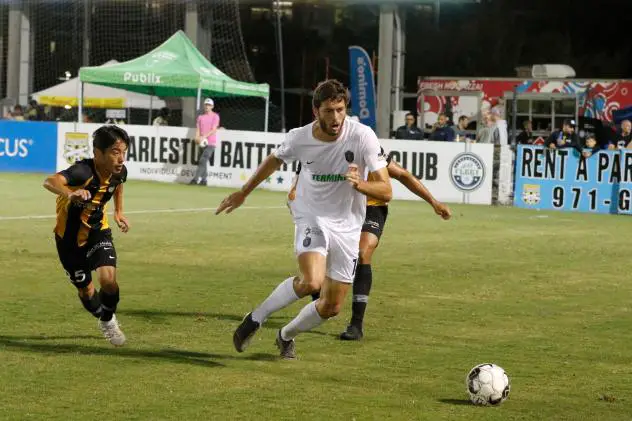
x=28 y=146
x=362 y=86
x=563 y=180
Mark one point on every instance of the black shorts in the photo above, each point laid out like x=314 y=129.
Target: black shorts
x=79 y=262
x=375 y=220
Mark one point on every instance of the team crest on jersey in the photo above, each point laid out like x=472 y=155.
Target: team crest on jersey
x=76 y=147
x=531 y=194
x=467 y=172
x=307 y=240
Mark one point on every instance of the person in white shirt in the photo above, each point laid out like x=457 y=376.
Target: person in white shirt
x=328 y=210
x=499 y=127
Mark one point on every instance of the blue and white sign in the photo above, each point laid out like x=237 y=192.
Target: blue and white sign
x=362 y=86
x=563 y=180
x=28 y=146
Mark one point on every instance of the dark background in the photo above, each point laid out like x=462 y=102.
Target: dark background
x=470 y=39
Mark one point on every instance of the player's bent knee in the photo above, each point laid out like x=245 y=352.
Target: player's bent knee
x=86 y=290
x=107 y=278
x=327 y=309
x=309 y=284
x=365 y=254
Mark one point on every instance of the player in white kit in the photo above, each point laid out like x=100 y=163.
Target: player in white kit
x=328 y=212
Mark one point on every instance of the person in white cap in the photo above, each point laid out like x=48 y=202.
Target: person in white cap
x=206 y=138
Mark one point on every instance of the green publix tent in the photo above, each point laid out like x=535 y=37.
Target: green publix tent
x=174 y=69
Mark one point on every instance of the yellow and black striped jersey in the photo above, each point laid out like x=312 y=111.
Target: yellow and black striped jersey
x=75 y=221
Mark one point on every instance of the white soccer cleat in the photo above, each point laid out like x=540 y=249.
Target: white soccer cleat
x=112 y=331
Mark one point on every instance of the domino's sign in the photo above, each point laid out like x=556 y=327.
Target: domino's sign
x=28 y=146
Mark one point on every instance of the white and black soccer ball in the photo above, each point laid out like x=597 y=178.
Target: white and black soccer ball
x=487 y=384
x=203 y=142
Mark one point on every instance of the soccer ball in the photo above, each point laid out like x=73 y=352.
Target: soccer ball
x=487 y=384
x=203 y=142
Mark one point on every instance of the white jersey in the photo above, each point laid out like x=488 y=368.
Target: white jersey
x=322 y=190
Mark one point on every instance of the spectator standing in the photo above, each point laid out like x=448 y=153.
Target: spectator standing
x=18 y=113
x=565 y=138
x=34 y=111
x=526 y=135
x=441 y=131
x=460 y=129
x=163 y=117
x=499 y=127
x=623 y=138
x=484 y=134
x=409 y=131
x=206 y=138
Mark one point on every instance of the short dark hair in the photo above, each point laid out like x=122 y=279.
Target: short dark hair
x=463 y=117
x=410 y=114
x=106 y=136
x=330 y=89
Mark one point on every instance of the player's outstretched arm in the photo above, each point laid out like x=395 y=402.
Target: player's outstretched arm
x=58 y=184
x=265 y=170
x=413 y=184
x=379 y=188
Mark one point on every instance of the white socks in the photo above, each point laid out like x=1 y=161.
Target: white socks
x=306 y=320
x=282 y=296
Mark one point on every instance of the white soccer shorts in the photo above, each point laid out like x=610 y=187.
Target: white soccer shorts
x=340 y=248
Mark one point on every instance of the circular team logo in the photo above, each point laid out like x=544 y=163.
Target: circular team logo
x=467 y=171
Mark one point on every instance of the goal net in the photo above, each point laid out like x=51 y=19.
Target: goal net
x=68 y=34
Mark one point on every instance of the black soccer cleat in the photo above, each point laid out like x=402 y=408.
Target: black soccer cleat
x=353 y=333
x=287 y=348
x=244 y=333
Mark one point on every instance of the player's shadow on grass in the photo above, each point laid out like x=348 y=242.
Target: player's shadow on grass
x=456 y=401
x=159 y=315
x=35 y=344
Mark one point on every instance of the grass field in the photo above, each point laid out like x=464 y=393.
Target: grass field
x=545 y=295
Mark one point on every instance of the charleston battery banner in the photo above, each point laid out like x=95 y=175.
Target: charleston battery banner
x=454 y=172
x=170 y=154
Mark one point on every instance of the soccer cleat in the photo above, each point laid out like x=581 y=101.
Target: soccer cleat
x=244 y=333
x=353 y=333
x=112 y=331
x=287 y=348
x=193 y=182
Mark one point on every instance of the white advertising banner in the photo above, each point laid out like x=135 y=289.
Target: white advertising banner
x=454 y=172
x=169 y=154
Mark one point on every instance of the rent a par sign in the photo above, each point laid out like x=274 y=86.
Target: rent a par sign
x=564 y=180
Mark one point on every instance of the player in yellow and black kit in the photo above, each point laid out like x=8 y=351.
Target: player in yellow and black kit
x=372 y=229
x=83 y=236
